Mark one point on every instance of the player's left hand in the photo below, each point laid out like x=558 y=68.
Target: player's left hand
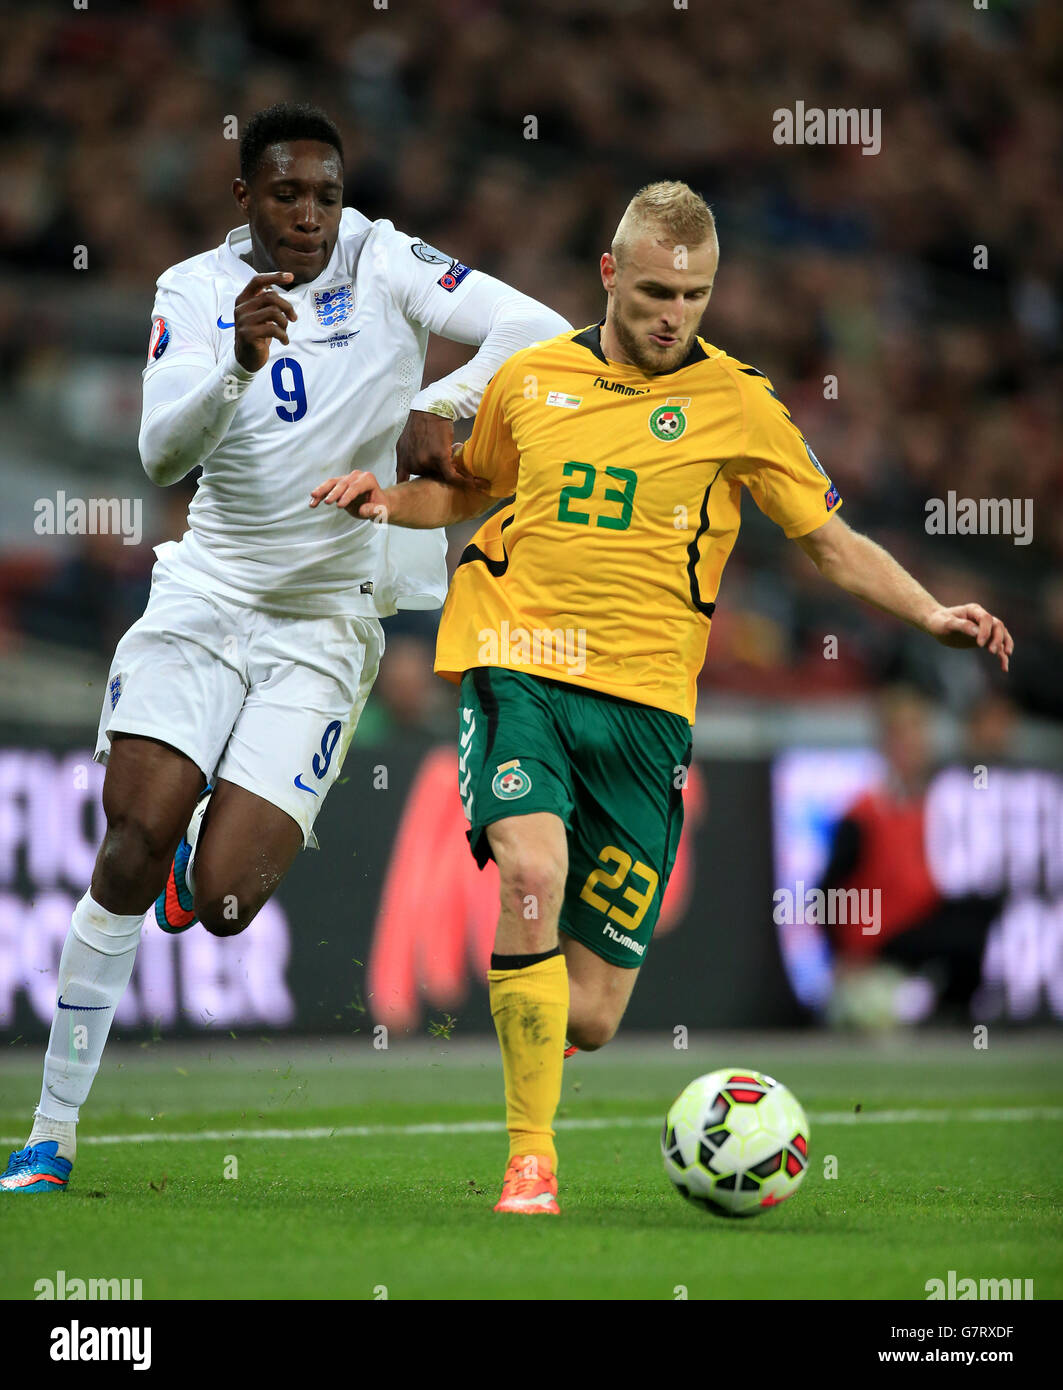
x=969 y=625
x=425 y=449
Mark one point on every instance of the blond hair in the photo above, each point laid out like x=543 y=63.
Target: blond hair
x=671 y=211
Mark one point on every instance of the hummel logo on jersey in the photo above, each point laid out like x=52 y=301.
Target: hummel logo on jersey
x=303 y=787
x=619 y=388
x=87 y=1008
x=223 y=324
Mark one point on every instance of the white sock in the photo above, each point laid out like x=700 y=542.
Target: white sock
x=64 y=1132
x=94 y=971
x=195 y=826
x=190 y=881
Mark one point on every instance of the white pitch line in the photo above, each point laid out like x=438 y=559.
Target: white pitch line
x=828 y=1117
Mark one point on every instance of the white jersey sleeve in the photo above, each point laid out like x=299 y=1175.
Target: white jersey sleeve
x=190 y=397
x=181 y=329
x=450 y=299
x=426 y=283
x=186 y=415
x=502 y=321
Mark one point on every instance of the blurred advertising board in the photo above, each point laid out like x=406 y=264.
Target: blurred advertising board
x=390 y=922
x=990 y=838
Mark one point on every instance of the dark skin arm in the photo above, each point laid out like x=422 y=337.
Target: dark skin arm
x=426 y=449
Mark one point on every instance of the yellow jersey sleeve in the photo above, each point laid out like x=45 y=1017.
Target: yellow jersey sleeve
x=489 y=451
x=788 y=482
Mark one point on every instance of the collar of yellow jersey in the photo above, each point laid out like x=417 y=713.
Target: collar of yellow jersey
x=591 y=339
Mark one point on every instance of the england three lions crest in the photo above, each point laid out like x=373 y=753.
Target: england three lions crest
x=334 y=305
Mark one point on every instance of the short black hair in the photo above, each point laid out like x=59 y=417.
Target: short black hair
x=279 y=123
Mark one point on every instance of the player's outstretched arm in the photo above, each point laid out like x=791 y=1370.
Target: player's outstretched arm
x=863 y=568
x=421 y=504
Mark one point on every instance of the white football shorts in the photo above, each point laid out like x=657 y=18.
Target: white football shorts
x=268 y=702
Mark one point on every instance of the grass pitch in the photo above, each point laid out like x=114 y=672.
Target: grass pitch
x=358 y=1174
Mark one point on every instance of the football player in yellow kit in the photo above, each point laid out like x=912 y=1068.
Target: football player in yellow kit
x=577 y=620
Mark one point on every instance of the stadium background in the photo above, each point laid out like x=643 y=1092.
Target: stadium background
x=834 y=263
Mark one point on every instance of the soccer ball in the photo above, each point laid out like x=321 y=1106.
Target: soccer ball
x=736 y=1141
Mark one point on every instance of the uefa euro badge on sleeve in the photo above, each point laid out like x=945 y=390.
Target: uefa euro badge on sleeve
x=334 y=305
x=159 y=340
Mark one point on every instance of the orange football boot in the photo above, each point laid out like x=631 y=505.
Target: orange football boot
x=530 y=1187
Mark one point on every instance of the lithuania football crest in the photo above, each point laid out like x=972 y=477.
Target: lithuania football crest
x=510 y=781
x=668 y=422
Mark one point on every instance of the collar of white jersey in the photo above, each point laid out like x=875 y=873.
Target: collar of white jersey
x=238 y=242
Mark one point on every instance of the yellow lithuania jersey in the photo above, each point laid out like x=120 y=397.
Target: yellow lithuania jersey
x=603 y=571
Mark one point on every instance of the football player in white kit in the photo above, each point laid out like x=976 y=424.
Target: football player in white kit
x=292 y=351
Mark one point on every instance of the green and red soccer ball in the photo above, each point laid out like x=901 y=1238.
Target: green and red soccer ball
x=735 y=1142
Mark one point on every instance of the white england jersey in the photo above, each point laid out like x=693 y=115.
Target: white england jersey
x=335 y=399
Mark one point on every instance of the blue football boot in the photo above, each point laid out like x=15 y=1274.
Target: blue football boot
x=37 y=1168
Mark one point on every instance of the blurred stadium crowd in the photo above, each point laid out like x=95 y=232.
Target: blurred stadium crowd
x=834 y=263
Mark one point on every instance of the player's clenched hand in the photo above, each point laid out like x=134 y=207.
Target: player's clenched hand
x=424 y=446
x=426 y=449
x=969 y=625
x=260 y=314
x=358 y=493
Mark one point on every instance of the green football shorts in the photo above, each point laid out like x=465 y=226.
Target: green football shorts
x=611 y=769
